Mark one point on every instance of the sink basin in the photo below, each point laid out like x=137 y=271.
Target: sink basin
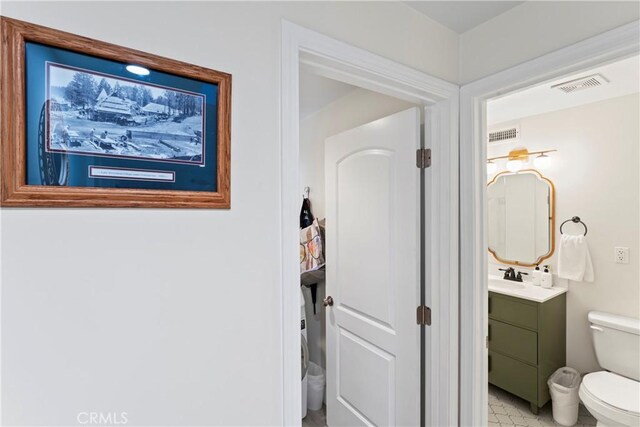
x=505 y=284
x=523 y=290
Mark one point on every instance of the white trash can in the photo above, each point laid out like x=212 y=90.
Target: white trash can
x=315 y=387
x=563 y=387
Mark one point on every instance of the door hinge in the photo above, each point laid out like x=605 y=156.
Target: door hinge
x=423 y=158
x=424 y=315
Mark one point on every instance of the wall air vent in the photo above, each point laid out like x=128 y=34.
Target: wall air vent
x=581 y=83
x=504 y=135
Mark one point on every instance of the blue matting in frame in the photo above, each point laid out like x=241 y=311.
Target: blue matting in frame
x=92 y=123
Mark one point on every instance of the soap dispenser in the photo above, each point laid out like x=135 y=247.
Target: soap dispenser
x=536 y=276
x=546 y=280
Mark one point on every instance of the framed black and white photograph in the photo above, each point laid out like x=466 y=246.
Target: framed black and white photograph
x=109 y=126
x=99 y=114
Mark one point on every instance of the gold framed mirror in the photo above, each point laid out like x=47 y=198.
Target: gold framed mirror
x=521 y=217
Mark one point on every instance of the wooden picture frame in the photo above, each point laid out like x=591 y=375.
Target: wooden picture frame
x=14 y=189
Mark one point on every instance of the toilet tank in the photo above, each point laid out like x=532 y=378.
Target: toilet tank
x=616 y=340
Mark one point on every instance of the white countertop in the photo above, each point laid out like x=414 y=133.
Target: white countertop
x=524 y=290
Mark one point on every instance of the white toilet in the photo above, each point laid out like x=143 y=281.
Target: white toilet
x=613 y=396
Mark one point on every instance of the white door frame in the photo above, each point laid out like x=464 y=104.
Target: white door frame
x=340 y=61
x=607 y=47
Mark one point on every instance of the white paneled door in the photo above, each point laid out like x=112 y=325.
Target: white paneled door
x=373 y=250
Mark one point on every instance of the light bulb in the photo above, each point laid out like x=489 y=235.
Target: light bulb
x=514 y=165
x=542 y=161
x=491 y=167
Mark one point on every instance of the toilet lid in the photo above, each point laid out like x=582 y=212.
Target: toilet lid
x=620 y=392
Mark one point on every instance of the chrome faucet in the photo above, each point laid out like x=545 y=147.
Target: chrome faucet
x=510 y=274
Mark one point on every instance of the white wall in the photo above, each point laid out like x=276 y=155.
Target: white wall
x=358 y=107
x=174 y=316
x=535 y=28
x=595 y=173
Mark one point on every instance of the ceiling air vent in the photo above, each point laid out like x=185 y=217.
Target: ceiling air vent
x=504 y=135
x=581 y=83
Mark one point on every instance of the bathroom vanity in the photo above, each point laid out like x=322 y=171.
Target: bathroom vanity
x=527 y=323
x=527 y=338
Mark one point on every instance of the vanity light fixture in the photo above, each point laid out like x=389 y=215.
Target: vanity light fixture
x=491 y=167
x=518 y=158
x=542 y=161
x=515 y=165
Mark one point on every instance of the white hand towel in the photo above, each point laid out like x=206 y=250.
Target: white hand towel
x=574 y=260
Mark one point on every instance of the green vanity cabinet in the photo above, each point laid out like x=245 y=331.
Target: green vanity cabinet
x=527 y=343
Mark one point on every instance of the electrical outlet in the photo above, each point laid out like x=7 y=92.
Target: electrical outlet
x=621 y=255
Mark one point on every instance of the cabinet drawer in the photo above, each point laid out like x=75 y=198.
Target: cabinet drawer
x=513 y=376
x=513 y=310
x=513 y=341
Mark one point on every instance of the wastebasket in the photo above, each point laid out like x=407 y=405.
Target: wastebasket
x=563 y=387
x=315 y=386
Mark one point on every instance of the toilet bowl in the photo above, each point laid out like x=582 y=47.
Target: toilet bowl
x=613 y=400
x=612 y=396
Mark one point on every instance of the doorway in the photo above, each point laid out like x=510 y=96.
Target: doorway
x=438 y=100
x=598 y=51
x=369 y=212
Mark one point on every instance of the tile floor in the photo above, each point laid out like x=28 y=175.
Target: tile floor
x=315 y=418
x=506 y=410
